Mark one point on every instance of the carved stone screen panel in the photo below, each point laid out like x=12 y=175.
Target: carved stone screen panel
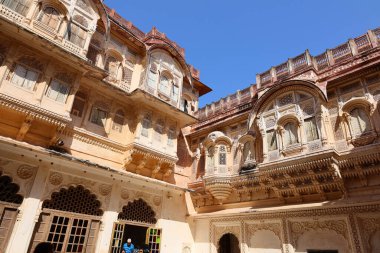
x=8 y=191
x=76 y=200
x=138 y=211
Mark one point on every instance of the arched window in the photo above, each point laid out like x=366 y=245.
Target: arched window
x=19 y=6
x=118 y=121
x=69 y=232
x=146 y=124
x=290 y=134
x=359 y=122
x=50 y=17
x=247 y=151
x=210 y=160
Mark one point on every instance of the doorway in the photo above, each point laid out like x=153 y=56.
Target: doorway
x=228 y=243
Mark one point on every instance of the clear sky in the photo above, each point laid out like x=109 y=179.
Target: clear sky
x=230 y=41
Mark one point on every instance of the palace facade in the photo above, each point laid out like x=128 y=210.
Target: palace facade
x=102 y=139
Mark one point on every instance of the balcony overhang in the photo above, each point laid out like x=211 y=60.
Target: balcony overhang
x=201 y=87
x=143 y=97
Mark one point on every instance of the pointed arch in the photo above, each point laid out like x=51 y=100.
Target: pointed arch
x=76 y=200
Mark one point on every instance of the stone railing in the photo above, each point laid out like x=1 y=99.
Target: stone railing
x=41 y=29
x=227 y=103
x=125 y=23
x=320 y=62
x=11 y=15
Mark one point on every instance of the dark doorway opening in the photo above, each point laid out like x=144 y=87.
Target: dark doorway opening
x=228 y=244
x=137 y=235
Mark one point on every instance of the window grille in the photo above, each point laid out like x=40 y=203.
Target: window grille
x=138 y=211
x=222 y=155
x=117 y=240
x=74 y=199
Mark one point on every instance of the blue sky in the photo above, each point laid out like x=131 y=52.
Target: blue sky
x=231 y=41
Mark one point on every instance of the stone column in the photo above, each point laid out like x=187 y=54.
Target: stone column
x=108 y=220
x=32 y=9
x=29 y=212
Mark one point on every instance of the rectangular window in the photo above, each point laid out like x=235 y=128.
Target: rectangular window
x=152 y=80
x=127 y=78
x=271 y=140
x=77 y=35
x=24 y=77
x=174 y=94
x=154 y=239
x=311 y=130
x=171 y=137
x=98 y=116
x=19 y=6
x=145 y=127
x=78 y=105
x=72 y=235
x=58 y=91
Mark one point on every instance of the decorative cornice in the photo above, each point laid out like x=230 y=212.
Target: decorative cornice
x=35 y=112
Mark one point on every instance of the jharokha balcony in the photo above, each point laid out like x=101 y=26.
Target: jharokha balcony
x=21 y=15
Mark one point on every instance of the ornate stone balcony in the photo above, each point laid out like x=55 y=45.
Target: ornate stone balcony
x=42 y=30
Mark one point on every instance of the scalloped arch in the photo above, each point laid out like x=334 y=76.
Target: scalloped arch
x=272 y=92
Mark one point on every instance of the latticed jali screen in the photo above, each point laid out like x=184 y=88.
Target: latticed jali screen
x=138 y=211
x=76 y=200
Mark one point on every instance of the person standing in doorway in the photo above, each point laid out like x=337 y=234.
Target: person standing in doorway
x=128 y=247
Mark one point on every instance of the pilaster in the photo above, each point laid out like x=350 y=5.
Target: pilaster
x=29 y=212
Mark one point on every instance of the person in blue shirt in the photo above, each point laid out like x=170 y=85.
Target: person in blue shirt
x=128 y=247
